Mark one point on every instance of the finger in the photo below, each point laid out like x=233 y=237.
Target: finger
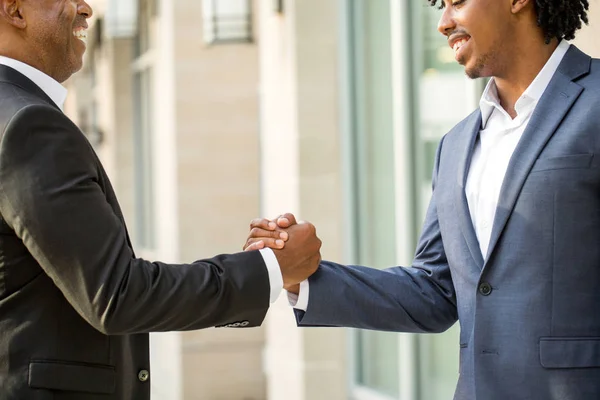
x=263 y=223
x=268 y=242
x=262 y=233
x=286 y=220
x=255 y=246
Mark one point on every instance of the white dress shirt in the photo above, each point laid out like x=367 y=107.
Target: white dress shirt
x=58 y=94
x=497 y=140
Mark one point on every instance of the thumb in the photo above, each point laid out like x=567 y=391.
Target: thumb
x=286 y=220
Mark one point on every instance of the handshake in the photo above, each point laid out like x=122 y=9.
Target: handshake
x=295 y=245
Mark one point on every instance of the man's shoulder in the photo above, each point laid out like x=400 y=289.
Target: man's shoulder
x=595 y=68
x=15 y=100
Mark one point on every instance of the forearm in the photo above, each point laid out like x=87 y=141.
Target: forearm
x=152 y=297
x=397 y=299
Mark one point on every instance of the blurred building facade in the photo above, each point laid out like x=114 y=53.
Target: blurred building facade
x=209 y=113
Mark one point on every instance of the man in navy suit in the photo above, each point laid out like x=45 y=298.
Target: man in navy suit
x=511 y=241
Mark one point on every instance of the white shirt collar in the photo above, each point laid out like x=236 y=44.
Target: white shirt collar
x=54 y=90
x=490 y=100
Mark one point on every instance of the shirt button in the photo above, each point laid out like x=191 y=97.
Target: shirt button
x=485 y=289
x=143 y=375
x=484 y=224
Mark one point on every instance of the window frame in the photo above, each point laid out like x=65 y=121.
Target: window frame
x=214 y=21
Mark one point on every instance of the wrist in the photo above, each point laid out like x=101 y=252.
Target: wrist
x=295 y=288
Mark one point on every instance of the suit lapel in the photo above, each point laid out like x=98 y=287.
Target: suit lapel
x=466 y=146
x=554 y=104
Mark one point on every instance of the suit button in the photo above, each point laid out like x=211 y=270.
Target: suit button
x=143 y=375
x=485 y=289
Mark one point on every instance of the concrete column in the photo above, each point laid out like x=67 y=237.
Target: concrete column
x=301 y=172
x=165 y=349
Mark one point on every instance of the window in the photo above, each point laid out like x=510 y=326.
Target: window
x=279 y=6
x=377 y=364
x=227 y=21
x=143 y=148
x=143 y=81
x=146 y=27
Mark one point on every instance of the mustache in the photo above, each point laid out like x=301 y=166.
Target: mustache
x=80 y=22
x=457 y=32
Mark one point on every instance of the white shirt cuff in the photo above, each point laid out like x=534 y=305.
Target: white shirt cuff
x=275 y=278
x=300 y=301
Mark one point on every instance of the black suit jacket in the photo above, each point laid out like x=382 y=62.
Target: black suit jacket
x=76 y=305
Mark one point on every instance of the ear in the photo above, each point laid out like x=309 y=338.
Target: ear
x=11 y=12
x=519 y=5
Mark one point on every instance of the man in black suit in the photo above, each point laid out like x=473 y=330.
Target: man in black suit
x=76 y=305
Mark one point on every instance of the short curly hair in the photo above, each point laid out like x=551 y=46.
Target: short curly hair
x=558 y=18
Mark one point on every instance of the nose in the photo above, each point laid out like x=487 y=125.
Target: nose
x=84 y=9
x=446 y=23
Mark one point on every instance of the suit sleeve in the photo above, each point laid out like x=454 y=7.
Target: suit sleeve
x=52 y=197
x=416 y=299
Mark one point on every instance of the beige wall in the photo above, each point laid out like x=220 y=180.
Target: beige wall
x=587 y=38
x=218 y=180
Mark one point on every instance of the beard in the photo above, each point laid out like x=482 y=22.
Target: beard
x=478 y=70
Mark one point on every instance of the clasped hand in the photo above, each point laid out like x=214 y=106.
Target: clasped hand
x=295 y=245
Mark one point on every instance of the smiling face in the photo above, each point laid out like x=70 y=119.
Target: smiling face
x=56 y=32
x=481 y=33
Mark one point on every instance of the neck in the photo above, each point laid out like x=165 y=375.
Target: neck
x=526 y=63
x=18 y=50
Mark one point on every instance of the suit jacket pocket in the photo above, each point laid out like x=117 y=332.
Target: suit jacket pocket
x=75 y=377
x=572 y=161
x=570 y=352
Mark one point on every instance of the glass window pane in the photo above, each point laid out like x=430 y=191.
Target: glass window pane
x=377 y=352
x=377 y=361
x=144 y=185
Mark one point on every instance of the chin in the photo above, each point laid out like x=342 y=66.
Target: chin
x=75 y=65
x=473 y=73
x=479 y=68
x=68 y=71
